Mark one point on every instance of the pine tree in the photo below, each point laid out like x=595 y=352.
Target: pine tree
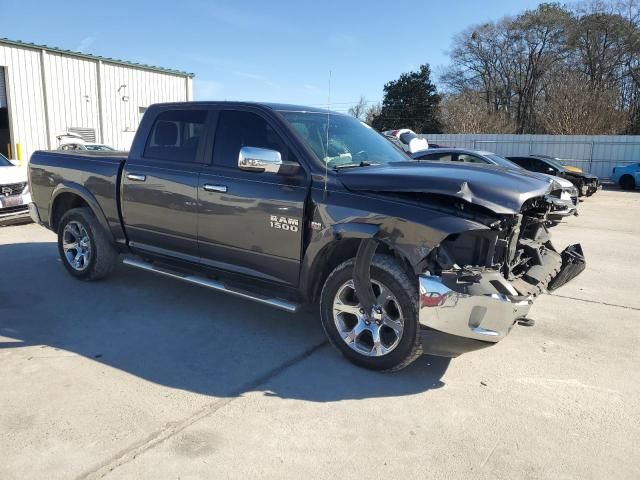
x=412 y=102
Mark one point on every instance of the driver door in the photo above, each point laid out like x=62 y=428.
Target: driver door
x=250 y=222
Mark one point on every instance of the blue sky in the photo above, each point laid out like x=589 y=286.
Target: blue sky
x=261 y=50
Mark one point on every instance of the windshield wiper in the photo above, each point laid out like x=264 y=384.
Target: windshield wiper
x=351 y=165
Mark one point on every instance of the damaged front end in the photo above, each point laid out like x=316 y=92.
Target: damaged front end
x=477 y=284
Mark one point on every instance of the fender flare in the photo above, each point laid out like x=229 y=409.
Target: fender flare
x=86 y=195
x=313 y=261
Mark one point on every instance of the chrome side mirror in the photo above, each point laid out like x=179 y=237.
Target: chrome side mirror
x=254 y=159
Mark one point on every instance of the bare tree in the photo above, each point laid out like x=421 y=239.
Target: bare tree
x=372 y=112
x=515 y=67
x=466 y=112
x=573 y=107
x=359 y=110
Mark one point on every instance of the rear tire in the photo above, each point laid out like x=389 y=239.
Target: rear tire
x=399 y=342
x=627 y=182
x=84 y=246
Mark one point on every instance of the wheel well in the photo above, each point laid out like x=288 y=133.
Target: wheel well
x=62 y=204
x=336 y=253
x=627 y=175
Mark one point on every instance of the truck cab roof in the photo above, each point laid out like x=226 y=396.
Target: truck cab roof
x=232 y=104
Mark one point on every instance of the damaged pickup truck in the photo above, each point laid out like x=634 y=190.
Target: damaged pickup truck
x=290 y=206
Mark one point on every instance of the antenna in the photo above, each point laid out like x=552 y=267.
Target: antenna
x=326 y=152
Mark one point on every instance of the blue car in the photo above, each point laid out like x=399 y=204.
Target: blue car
x=628 y=177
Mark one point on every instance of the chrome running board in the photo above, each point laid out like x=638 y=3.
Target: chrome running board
x=212 y=284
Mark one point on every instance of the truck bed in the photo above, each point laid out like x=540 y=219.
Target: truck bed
x=97 y=174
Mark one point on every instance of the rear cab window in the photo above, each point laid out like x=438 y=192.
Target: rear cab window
x=176 y=135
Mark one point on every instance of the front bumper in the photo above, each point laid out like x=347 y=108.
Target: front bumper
x=453 y=323
x=457 y=317
x=561 y=207
x=14 y=208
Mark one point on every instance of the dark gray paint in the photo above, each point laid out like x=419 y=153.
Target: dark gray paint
x=502 y=190
x=170 y=215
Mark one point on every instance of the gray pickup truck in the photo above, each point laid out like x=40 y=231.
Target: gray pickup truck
x=290 y=206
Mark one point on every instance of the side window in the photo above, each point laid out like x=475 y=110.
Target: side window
x=442 y=157
x=539 y=166
x=238 y=129
x=175 y=135
x=523 y=162
x=466 y=158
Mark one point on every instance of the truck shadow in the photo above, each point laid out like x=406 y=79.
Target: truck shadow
x=182 y=336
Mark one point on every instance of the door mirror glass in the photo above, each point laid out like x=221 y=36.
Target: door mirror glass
x=254 y=159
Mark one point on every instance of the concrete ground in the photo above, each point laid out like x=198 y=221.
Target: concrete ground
x=146 y=377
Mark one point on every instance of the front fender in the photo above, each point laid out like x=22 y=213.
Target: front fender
x=412 y=231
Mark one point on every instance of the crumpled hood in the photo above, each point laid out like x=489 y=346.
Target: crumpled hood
x=12 y=174
x=501 y=190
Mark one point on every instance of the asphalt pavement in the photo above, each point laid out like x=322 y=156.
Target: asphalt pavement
x=141 y=376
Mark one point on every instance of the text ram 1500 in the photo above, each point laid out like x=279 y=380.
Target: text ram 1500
x=289 y=205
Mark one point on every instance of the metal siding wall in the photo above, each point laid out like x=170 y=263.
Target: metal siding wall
x=26 y=103
x=69 y=79
x=595 y=153
x=73 y=94
x=144 y=87
x=3 y=90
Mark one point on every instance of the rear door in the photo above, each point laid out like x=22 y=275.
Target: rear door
x=160 y=186
x=249 y=222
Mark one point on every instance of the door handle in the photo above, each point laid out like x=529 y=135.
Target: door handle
x=215 y=188
x=136 y=177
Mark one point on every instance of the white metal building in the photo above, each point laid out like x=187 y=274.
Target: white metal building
x=46 y=92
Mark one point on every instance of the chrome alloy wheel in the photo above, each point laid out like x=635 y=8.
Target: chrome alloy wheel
x=372 y=335
x=76 y=245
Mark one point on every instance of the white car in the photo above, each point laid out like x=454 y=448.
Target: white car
x=92 y=147
x=407 y=140
x=72 y=141
x=14 y=192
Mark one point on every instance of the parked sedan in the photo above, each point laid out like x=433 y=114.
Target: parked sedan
x=92 y=147
x=14 y=192
x=628 y=177
x=586 y=183
x=566 y=191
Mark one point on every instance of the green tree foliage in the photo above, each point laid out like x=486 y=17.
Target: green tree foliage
x=412 y=102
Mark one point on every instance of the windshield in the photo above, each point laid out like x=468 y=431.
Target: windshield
x=498 y=160
x=555 y=162
x=4 y=162
x=351 y=142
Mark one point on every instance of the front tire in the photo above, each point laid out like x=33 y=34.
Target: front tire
x=627 y=182
x=84 y=247
x=387 y=342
